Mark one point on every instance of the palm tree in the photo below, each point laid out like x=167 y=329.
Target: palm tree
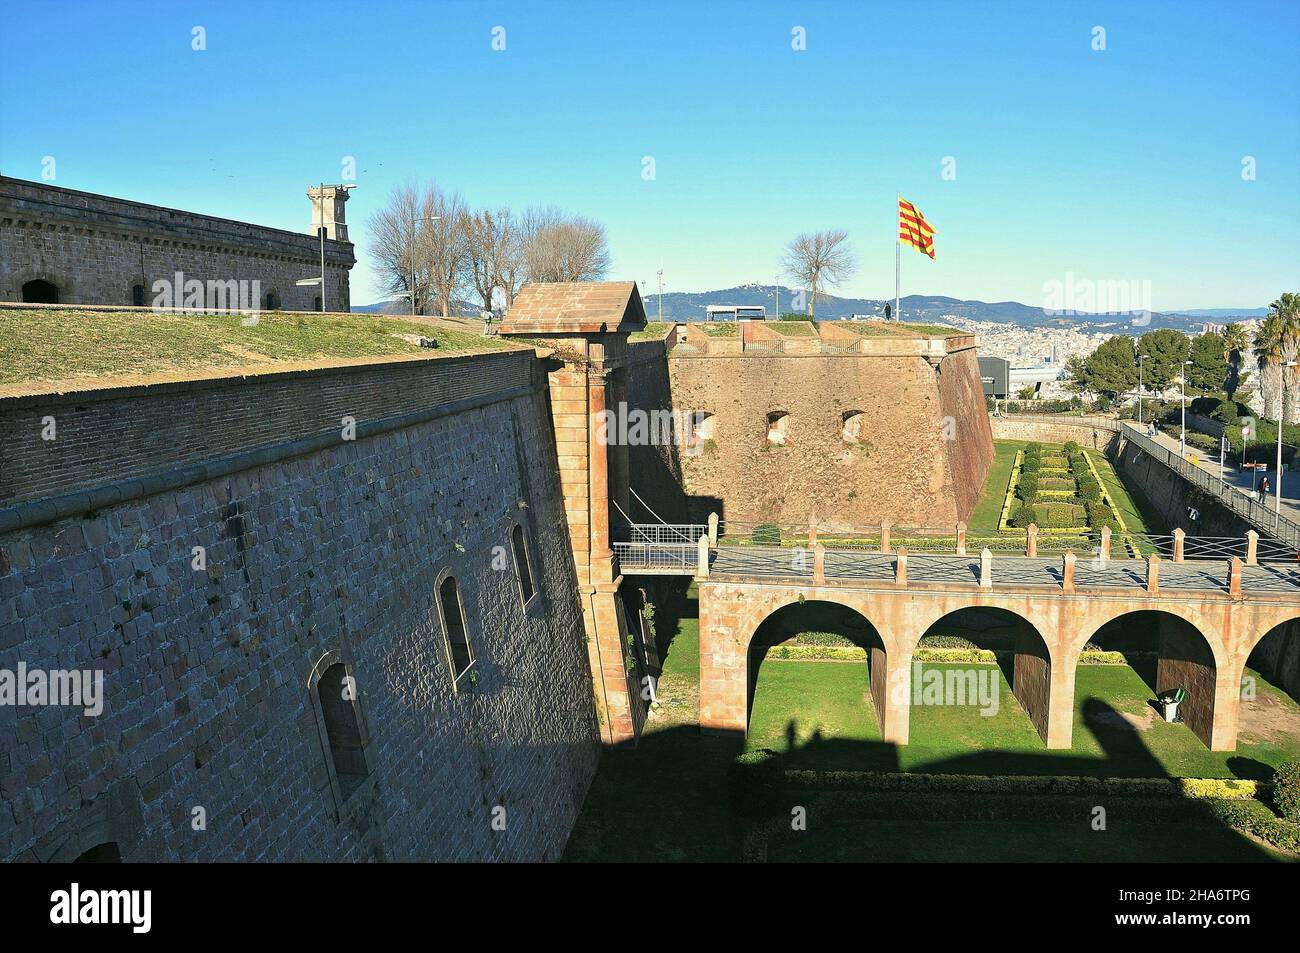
x=1268 y=356
x=1286 y=310
x=1235 y=342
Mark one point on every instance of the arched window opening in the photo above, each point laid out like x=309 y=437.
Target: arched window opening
x=337 y=693
x=137 y=295
x=522 y=564
x=778 y=422
x=39 y=291
x=106 y=853
x=851 y=427
x=459 y=651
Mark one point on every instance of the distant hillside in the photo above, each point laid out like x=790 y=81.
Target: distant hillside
x=925 y=309
x=920 y=309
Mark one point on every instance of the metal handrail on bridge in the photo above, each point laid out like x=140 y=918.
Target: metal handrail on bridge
x=1245 y=506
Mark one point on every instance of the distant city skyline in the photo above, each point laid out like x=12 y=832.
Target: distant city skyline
x=703 y=137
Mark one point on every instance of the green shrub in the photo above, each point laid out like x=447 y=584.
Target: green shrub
x=1056 y=515
x=1027 y=488
x=755 y=783
x=1024 y=516
x=1071 y=448
x=1090 y=490
x=766 y=534
x=1286 y=790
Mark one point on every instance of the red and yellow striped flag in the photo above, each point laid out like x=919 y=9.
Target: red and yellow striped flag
x=913 y=229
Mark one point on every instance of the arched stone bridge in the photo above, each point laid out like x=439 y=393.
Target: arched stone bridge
x=1212 y=614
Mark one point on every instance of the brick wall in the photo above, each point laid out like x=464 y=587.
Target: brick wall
x=335 y=551
x=95 y=248
x=902 y=468
x=123 y=433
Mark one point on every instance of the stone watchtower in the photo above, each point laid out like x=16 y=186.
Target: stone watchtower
x=329 y=213
x=587 y=324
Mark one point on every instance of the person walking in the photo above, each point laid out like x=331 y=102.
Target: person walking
x=1263 y=489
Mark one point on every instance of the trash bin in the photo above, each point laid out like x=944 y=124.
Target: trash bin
x=1169 y=702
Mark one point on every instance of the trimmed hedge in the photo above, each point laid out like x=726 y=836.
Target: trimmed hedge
x=1025 y=515
x=759 y=789
x=1286 y=790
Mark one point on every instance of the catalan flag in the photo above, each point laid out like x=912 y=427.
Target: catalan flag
x=913 y=229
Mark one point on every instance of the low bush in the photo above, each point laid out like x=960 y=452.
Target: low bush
x=1194 y=788
x=1027 y=488
x=1053 y=515
x=1025 y=515
x=766 y=534
x=1286 y=790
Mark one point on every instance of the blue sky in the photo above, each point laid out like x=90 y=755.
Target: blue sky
x=1122 y=164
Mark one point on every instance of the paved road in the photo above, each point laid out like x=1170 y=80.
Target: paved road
x=1243 y=480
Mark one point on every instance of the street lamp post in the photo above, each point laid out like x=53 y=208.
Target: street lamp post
x=320 y=230
x=1182 y=407
x=1281 y=415
x=1141 y=358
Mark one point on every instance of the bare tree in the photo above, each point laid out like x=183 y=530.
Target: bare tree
x=556 y=246
x=819 y=260
x=418 y=245
x=393 y=240
x=490 y=240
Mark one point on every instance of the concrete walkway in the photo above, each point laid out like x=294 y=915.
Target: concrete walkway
x=1243 y=480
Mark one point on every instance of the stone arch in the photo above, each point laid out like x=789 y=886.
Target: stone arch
x=1026 y=661
x=40 y=291
x=1074 y=648
x=115 y=817
x=870 y=638
x=1274 y=652
x=1188 y=658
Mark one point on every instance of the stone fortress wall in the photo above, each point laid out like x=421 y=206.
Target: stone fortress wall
x=95 y=249
x=317 y=550
x=917 y=454
x=324 y=552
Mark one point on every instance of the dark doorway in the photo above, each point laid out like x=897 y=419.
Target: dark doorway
x=39 y=291
x=106 y=853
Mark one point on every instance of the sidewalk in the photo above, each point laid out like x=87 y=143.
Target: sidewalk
x=1244 y=479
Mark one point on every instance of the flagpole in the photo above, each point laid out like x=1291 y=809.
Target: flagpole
x=898 y=259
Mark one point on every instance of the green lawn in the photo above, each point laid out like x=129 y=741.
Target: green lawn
x=795 y=329
x=667 y=800
x=988 y=510
x=653 y=331
x=825 y=709
x=64 y=345
x=1137 y=513
x=892 y=329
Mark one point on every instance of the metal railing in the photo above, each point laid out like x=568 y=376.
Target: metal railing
x=1259 y=514
x=657 y=557
x=673 y=533
x=1096 y=421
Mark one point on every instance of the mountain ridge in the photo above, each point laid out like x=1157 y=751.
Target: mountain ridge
x=923 y=309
